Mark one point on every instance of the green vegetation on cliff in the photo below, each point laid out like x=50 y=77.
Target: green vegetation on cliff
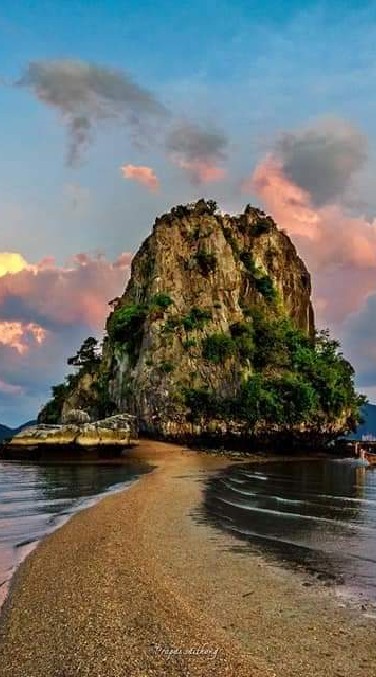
x=295 y=380
x=263 y=283
x=88 y=363
x=215 y=327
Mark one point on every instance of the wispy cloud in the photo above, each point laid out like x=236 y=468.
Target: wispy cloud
x=87 y=95
x=199 y=150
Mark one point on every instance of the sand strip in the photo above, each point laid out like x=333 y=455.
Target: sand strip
x=135 y=586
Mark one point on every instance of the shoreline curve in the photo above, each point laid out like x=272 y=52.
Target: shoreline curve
x=134 y=586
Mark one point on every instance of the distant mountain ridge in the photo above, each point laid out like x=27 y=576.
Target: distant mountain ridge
x=6 y=432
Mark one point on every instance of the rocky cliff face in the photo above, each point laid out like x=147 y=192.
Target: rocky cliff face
x=199 y=275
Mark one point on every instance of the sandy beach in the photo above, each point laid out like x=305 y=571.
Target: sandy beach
x=137 y=586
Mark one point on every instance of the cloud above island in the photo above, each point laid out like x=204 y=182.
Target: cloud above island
x=323 y=159
x=302 y=182
x=141 y=174
x=200 y=151
x=87 y=95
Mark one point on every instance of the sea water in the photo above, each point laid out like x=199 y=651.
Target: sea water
x=36 y=499
x=315 y=515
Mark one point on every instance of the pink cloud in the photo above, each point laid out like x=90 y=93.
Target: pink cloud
x=141 y=174
x=47 y=295
x=18 y=335
x=46 y=311
x=200 y=171
x=335 y=245
x=10 y=389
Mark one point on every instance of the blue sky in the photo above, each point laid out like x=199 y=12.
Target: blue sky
x=254 y=70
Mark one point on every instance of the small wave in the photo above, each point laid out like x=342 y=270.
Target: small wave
x=350 y=499
x=293 y=501
x=242 y=492
x=255 y=475
x=297 y=515
x=239 y=491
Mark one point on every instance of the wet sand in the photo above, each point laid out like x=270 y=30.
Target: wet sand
x=136 y=586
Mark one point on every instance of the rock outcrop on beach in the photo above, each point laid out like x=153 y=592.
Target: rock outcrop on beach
x=214 y=335
x=119 y=430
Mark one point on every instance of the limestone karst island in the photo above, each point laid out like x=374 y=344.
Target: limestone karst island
x=213 y=340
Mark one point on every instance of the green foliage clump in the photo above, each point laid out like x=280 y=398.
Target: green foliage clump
x=199 y=208
x=87 y=357
x=203 y=403
x=125 y=321
x=242 y=335
x=265 y=286
x=217 y=348
x=51 y=412
x=181 y=211
x=166 y=367
x=262 y=282
x=207 y=261
x=189 y=343
x=284 y=400
x=296 y=379
x=196 y=319
x=262 y=226
x=172 y=323
x=161 y=300
x=202 y=207
x=261 y=223
x=86 y=361
x=126 y=327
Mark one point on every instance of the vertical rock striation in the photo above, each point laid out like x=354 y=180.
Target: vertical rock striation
x=199 y=274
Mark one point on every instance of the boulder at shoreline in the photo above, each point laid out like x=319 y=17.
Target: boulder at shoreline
x=120 y=430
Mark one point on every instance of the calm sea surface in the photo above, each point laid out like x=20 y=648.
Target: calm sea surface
x=319 y=516
x=36 y=499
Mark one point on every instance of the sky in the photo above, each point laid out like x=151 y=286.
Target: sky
x=112 y=112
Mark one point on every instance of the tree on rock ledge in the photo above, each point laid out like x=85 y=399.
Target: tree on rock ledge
x=88 y=356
